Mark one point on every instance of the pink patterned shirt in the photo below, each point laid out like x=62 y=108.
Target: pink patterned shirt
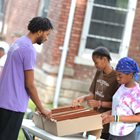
x=126 y=102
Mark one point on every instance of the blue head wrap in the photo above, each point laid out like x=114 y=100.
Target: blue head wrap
x=127 y=65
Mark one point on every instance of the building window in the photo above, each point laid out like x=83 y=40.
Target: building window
x=43 y=12
x=106 y=23
x=43 y=9
x=1 y=14
x=1 y=7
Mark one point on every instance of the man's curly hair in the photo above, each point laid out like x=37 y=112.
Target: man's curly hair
x=39 y=24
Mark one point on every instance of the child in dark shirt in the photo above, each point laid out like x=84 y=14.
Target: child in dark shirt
x=103 y=86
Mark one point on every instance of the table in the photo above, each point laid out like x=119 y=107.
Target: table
x=31 y=128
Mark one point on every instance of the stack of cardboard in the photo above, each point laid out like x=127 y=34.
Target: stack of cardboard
x=70 y=120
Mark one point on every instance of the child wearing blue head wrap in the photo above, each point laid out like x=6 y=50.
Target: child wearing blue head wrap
x=127 y=65
x=126 y=102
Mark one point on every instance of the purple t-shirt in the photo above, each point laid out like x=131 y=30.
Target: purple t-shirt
x=21 y=57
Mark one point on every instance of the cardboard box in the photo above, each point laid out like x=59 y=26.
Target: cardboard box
x=38 y=120
x=68 y=120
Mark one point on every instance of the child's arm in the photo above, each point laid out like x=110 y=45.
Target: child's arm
x=127 y=119
x=130 y=119
x=105 y=104
x=99 y=104
x=81 y=99
x=88 y=97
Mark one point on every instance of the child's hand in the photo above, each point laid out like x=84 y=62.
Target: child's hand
x=93 y=103
x=77 y=101
x=107 y=118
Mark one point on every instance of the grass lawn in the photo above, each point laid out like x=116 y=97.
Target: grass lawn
x=32 y=107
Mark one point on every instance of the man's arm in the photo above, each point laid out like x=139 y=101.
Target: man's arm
x=32 y=91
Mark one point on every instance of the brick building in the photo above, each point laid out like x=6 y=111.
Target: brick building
x=115 y=24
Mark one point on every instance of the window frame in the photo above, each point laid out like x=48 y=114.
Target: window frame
x=41 y=5
x=39 y=48
x=84 y=54
x=1 y=14
x=2 y=8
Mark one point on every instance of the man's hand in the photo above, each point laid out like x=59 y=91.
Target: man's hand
x=46 y=113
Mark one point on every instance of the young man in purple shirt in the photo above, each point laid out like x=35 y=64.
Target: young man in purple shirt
x=17 y=79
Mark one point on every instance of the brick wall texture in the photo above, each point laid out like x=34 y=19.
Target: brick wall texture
x=17 y=15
